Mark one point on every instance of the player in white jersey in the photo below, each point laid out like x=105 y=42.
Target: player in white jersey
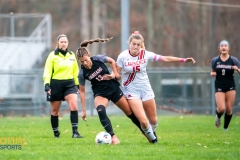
x=104 y=86
x=136 y=86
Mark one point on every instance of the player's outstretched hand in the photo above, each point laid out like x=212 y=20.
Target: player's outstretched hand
x=83 y=114
x=213 y=74
x=189 y=59
x=118 y=77
x=108 y=76
x=235 y=67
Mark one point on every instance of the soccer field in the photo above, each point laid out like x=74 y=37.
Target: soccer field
x=180 y=137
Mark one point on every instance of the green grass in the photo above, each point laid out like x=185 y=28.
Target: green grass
x=180 y=137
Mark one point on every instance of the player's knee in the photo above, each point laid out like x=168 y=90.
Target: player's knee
x=54 y=112
x=144 y=123
x=220 y=110
x=153 y=121
x=73 y=108
x=101 y=110
x=229 y=111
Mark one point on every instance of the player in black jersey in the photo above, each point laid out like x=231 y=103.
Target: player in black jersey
x=104 y=86
x=223 y=67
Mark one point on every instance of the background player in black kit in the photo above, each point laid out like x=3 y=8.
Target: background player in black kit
x=104 y=86
x=223 y=67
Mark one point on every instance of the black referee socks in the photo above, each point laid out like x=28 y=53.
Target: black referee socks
x=54 y=123
x=74 y=120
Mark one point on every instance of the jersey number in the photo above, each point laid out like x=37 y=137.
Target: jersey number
x=136 y=69
x=99 y=78
x=223 y=72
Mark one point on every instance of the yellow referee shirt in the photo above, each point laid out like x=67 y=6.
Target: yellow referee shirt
x=60 y=67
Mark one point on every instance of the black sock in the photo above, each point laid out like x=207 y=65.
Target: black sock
x=219 y=115
x=106 y=123
x=227 y=119
x=74 y=120
x=54 y=122
x=135 y=121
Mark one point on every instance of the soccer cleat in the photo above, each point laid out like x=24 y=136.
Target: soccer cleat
x=115 y=140
x=217 y=122
x=155 y=141
x=57 y=135
x=149 y=140
x=155 y=135
x=225 y=129
x=76 y=135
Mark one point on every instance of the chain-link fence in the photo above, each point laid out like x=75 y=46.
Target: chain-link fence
x=22 y=93
x=24 y=50
x=185 y=91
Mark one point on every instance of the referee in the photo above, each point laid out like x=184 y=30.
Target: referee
x=61 y=80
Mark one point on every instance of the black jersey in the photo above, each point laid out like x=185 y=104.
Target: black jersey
x=224 y=71
x=104 y=87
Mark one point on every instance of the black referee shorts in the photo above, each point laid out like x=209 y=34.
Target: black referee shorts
x=60 y=89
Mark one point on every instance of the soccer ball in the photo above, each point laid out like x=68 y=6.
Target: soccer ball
x=103 y=138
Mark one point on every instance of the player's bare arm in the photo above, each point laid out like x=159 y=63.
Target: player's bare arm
x=177 y=59
x=119 y=69
x=83 y=101
x=113 y=65
x=213 y=73
x=236 y=69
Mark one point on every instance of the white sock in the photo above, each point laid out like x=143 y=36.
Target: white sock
x=149 y=132
x=154 y=126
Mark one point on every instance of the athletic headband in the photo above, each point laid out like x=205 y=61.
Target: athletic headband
x=224 y=42
x=61 y=36
x=135 y=32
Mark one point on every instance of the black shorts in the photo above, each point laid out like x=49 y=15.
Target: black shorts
x=115 y=96
x=60 y=89
x=224 y=89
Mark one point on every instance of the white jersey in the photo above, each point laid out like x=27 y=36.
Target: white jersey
x=134 y=68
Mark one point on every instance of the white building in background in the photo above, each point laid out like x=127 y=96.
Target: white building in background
x=22 y=52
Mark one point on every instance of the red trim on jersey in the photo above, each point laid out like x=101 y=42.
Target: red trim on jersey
x=132 y=75
x=132 y=55
x=130 y=78
x=140 y=56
